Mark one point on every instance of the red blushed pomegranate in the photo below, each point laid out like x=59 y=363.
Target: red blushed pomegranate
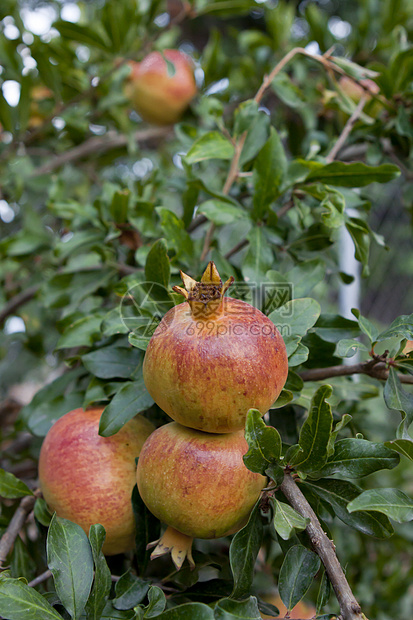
x=212 y=358
x=89 y=479
x=161 y=93
x=197 y=484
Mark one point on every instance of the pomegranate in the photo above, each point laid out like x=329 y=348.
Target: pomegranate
x=197 y=484
x=89 y=479
x=161 y=92
x=212 y=358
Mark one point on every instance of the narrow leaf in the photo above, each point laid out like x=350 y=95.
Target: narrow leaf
x=286 y=520
x=102 y=581
x=269 y=170
x=69 y=557
x=315 y=433
x=353 y=174
x=398 y=399
x=391 y=502
x=20 y=602
x=11 y=487
x=131 y=399
x=355 y=458
x=296 y=575
x=264 y=443
x=243 y=553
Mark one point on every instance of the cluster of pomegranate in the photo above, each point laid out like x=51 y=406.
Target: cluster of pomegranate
x=210 y=360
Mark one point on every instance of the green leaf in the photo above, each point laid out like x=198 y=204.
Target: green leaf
x=131 y=399
x=227 y=608
x=119 y=206
x=297 y=315
x=338 y=493
x=323 y=592
x=398 y=399
x=305 y=276
x=188 y=611
x=157 y=266
x=147 y=530
x=333 y=327
x=287 y=91
x=259 y=257
x=212 y=145
x=245 y=116
x=366 y=326
x=348 y=347
x=102 y=582
x=243 y=553
x=112 y=361
x=82 y=333
x=352 y=175
x=130 y=590
x=402 y=446
x=11 y=487
x=69 y=557
x=401 y=327
x=157 y=602
x=391 y=502
x=42 y=512
x=20 y=602
x=315 y=433
x=264 y=443
x=286 y=520
x=269 y=171
x=355 y=458
x=221 y=212
x=359 y=232
x=296 y=575
x=176 y=236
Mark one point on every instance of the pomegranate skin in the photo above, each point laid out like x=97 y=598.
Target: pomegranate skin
x=89 y=479
x=207 y=374
x=161 y=98
x=197 y=482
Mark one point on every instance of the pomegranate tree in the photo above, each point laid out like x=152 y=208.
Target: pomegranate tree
x=89 y=479
x=197 y=484
x=212 y=358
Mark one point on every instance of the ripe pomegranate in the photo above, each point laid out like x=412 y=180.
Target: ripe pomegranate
x=89 y=479
x=212 y=358
x=157 y=93
x=197 y=484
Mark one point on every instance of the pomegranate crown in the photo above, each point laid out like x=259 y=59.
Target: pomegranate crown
x=209 y=289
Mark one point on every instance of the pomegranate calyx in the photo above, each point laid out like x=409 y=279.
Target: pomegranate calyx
x=204 y=296
x=177 y=544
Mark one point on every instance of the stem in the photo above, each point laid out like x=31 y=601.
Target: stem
x=378 y=371
x=40 y=579
x=15 y=525
x=96 y=145
x=18 y=300
x=346 y=131
x=323 y=546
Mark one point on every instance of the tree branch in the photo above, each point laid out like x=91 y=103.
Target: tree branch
x=18 y=300
x=377 y=371
x=323 y=546
x=37 y=580
x=15 y=525
x=96 y=145
x=346 y=131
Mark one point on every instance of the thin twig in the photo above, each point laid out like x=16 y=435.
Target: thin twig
x=14 y=527
x=241 y=245
x=95 y=145
x=377 y=371
x=40 y=579
x=349 y=607
x=18 y=300
x=347 y=129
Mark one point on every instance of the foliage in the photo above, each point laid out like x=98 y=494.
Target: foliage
x=100 y=212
